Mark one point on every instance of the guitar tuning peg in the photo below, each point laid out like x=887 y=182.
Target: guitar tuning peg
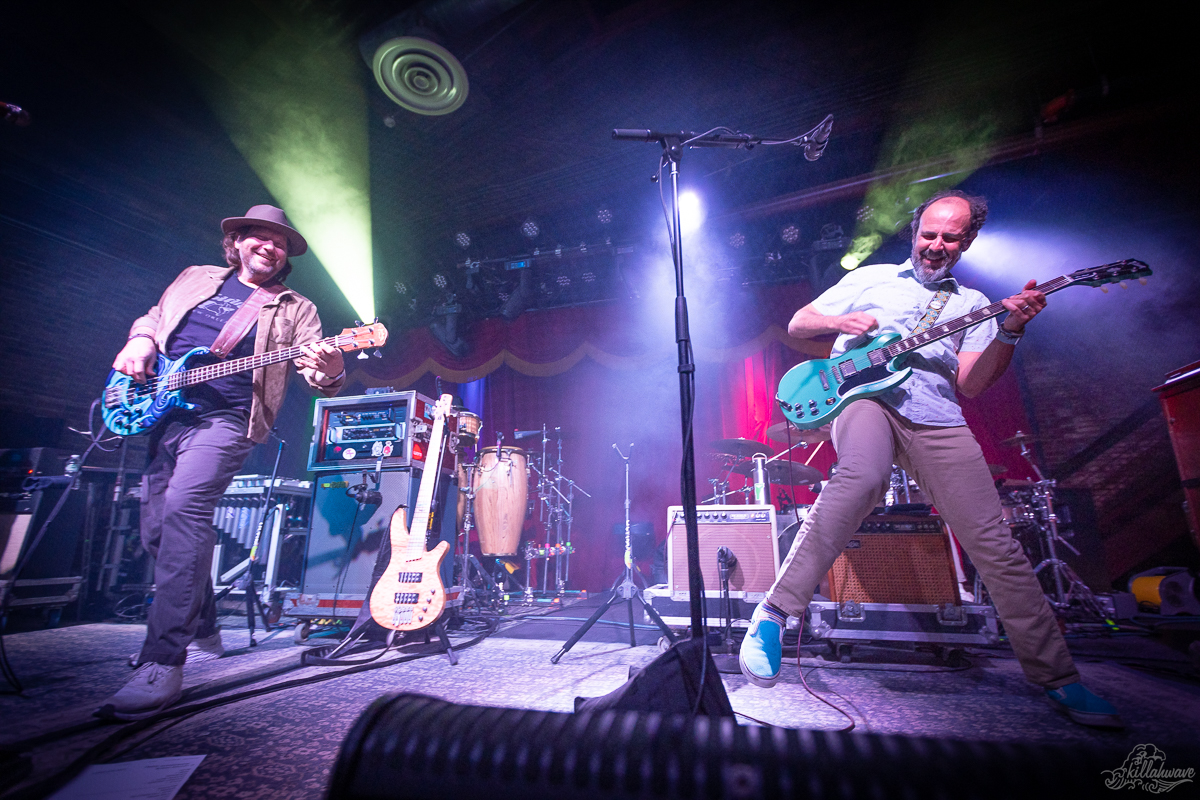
x=1104 y=289
x=1123 y=285
x=358 y=323
x=1142 y=281
x=377 y=354
x=362 y=355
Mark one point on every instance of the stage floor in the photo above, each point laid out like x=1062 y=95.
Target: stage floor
x=277 y=729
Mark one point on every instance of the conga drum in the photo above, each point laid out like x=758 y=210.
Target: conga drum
x=468 y=425
x=501 y=487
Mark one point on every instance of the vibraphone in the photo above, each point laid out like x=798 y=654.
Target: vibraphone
x=237 y=518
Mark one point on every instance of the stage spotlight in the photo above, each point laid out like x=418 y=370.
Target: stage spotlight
x=439 y=280
x=691 y=212
x=864 y=214
x=790 y=234
x=462 y=240
x=589 y=277
x=737 y=240
x=604 y=215
x=563 y=281
x=313 y=155
x=530 y=229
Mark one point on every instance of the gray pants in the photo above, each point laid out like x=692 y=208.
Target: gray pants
x=191 y=465
x=949 y=467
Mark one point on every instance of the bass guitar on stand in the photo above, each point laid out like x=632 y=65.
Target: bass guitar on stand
x=811 y=394
x=410 y=595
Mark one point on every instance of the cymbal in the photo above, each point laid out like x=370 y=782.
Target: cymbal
x=745 y=448
x=788 y=473
x=1018 y=440
x=997 y=469
x=779 y=433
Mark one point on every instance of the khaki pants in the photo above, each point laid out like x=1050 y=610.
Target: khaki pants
x=949 y=467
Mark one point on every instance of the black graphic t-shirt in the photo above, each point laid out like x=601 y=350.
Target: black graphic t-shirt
x=200 y=328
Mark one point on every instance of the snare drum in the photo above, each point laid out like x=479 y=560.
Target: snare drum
x=1016 y=514
x=501 y=486
x=468 y=428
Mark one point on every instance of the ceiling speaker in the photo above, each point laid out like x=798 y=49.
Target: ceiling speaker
x=420 y=75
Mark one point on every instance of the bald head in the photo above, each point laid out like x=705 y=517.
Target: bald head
x=943 y=232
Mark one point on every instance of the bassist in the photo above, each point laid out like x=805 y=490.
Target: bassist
x=919 y=425
x=195 y=453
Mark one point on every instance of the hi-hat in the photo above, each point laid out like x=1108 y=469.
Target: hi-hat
x=743 y=448
x=788 y=473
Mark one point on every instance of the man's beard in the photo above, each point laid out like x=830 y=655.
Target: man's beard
x=926 y=275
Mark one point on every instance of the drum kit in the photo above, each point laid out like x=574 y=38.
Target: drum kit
x=1028 y=509
x=761 y=467
x=494 y=498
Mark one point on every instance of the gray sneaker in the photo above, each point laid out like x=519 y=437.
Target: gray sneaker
x=152 y=688
x=199 y=651
x=206 y=649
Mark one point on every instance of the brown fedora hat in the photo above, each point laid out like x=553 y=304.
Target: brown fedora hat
x=271 y=218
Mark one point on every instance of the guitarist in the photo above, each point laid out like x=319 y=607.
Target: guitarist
x=194 y=454
x=920 y=426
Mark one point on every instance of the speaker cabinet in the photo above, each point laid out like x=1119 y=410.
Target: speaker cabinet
x=749 y=531
x=896 y=559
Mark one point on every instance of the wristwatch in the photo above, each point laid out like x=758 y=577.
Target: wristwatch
x=1005 y=337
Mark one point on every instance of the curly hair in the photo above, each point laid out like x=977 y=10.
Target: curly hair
x=229 y=245
x=979 y=210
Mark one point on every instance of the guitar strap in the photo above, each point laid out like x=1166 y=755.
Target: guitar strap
x=237 y=326
x=932 y=311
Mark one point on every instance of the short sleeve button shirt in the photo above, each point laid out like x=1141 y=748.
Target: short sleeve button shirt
x=892 y=294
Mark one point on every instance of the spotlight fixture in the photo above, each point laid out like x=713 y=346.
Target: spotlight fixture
x=401 y=288
x=583 y=247
x=790 y=233
x=604 y=215
x=865 y=213
x=737 y=240
x=462 y=240
x=563 y=281
x=439 y=280
x=530 y=229
x=589 y=277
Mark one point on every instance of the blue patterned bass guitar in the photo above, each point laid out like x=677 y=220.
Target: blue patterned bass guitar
x=811 y=394
x=130 y=408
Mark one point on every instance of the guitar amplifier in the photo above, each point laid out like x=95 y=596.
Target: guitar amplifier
x=896 y=559
x=749 y=531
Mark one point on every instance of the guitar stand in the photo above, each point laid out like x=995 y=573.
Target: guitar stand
x=439 y=628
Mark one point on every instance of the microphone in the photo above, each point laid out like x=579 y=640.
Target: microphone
x=726 y=558
x=815 y=146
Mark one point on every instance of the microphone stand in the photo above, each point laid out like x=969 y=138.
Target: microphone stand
x=625 y=588
x=813 y=142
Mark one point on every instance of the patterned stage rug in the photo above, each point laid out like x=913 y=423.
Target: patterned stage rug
x=282 y=742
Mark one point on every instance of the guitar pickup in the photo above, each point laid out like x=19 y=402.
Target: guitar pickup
x=847 y=368
x=824 y=380
x=409 y=577
x=407 y=598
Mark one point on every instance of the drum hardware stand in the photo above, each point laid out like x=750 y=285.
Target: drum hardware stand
x=625 y=588
x=1066 y=583
x=554 y=510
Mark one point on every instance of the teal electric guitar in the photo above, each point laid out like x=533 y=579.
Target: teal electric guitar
x=813 y=393
x=130 y=408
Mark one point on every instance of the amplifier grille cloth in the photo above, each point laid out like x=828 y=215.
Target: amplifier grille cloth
x=895 y=568
x=753 y=543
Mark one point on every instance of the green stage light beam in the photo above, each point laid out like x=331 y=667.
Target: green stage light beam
x=284 y=81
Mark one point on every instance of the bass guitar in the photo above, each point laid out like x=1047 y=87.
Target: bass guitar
x=130 y=408
x=409 y=595
x=811 y=394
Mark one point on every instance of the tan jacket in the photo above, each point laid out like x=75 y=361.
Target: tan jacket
x=287 y=320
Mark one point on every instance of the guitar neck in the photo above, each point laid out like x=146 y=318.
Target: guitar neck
x=961 y=323
x=433 y=463
x=191 y=377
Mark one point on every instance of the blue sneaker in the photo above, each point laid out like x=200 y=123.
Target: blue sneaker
x=762 y=649
x=1083 y=707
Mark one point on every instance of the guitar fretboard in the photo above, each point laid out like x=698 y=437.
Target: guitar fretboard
x=885 y=354
x=191 y=377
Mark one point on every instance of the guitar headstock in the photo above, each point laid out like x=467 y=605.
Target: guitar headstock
x=1112 y=273
x=362 y=337
x=442 y=407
